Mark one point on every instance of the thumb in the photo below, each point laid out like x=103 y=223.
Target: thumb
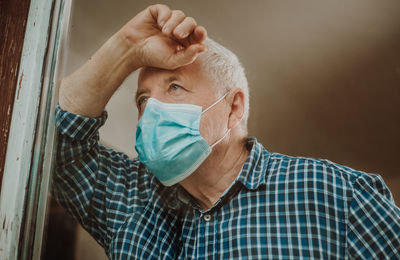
x=187 y=55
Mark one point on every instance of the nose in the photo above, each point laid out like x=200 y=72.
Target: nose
x=154 y=94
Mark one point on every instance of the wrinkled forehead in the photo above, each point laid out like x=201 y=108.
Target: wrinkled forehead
x=193 y=74
x=150 y=73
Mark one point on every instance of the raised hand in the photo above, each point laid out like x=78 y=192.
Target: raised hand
x=156 y=37
x=163 y=38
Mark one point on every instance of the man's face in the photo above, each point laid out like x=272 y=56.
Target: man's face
x=186 y=85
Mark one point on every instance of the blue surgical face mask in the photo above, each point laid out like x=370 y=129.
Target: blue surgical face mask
x=168 y=140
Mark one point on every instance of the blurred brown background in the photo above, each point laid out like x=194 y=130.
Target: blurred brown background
x=324 y=76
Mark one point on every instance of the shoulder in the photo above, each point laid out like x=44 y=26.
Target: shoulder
x=317 y=181
x=320 y=176
x=312 y=167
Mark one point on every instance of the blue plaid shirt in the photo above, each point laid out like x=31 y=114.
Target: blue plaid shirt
x=279 y=207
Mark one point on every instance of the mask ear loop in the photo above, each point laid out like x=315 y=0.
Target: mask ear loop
x=216 y=102
x=222 y=138
x=205 y=110
x=229 y=130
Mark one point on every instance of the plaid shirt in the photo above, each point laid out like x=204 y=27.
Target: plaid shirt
x=279 y=207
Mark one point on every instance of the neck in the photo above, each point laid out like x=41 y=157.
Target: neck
x=217 y=172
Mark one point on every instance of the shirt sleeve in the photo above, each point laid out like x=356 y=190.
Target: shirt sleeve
x=373 y=221
x=86 y=171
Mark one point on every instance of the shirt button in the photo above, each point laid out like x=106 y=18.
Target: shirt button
x=207 y=217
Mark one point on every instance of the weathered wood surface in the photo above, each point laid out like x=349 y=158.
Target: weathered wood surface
x=17 y=176
x=13 y=17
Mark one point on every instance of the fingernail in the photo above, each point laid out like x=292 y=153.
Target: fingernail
x=162 y=23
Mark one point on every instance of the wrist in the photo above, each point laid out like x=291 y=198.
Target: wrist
x=127 y=47
x=88 y=90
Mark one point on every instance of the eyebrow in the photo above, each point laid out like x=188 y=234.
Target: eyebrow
x=170 y=79
x=166 y=81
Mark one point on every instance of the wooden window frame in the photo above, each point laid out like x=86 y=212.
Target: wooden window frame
x=32 y=140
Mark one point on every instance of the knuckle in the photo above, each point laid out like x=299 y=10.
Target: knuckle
x=178 y=13
x=152 y=7
x=161 y=6
x=191 y=20
x=177 y=33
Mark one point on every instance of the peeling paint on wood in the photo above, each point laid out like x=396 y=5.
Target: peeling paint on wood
x=19 y=84
x=13 y=15
x=22 y=130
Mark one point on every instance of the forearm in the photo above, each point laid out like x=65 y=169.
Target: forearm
x=141 y=42
x=87 y=90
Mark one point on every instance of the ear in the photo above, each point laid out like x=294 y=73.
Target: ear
x=237 y=100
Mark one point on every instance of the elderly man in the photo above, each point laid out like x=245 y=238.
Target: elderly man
x=200 y=188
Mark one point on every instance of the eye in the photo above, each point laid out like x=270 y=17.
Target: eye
x=142 y=100
x=174 y=87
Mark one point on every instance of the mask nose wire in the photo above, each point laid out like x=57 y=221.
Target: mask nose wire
x=216 y=102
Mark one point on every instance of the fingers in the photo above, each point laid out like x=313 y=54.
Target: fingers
x=185 y=28
x=176 y=24
x=182 y=33
x=161 y=14
x=176 y=18
x=187 y=55
x=198 y=35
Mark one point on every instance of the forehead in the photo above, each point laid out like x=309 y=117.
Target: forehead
x=192 y=74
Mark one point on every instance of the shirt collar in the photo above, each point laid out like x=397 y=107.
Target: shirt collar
x=254 y=169
x=252 y=174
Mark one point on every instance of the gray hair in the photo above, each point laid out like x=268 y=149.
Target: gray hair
x=226 y=71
